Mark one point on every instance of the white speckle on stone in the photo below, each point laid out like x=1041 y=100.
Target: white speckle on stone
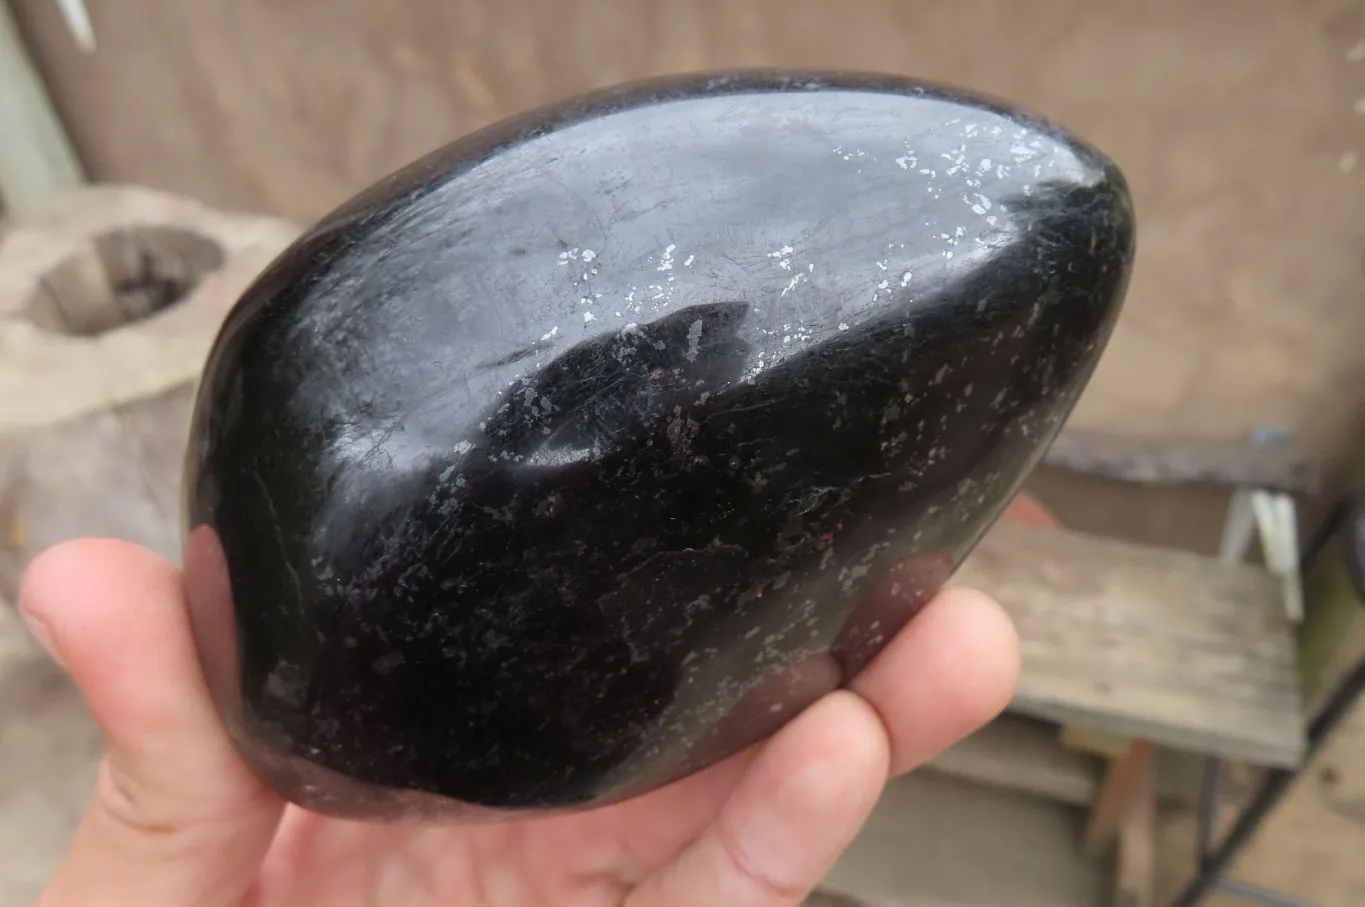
x=588 y=316
x=463 y=447
x=589 y=254
x=693 y=340
x=905 y=279
x=843 y=325
x=550 y=333
x=690 y=259
x=666 y=259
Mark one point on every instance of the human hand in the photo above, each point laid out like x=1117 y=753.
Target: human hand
x=177 y=820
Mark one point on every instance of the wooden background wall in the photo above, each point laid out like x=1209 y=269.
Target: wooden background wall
x=1236 y=121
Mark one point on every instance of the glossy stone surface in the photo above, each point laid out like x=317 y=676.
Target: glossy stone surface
x=596 y=445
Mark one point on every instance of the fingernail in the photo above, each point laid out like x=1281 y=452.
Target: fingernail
x=40 y=631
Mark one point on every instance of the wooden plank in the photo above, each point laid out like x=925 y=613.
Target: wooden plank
x=1146 y=642
x=1126 y=779
x=1164 y=461
x=36 y=160
x=1135 y=865
x=1020 y=753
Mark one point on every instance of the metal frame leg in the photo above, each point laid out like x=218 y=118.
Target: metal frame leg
x=1213 y=863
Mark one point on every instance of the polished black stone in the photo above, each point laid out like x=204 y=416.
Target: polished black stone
x=594 y=446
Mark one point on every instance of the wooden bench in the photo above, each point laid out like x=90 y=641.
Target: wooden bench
x=1144 y=642
x=1154 y=650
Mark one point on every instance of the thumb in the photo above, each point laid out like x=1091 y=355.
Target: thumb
x=176 y=818
x=797 y=807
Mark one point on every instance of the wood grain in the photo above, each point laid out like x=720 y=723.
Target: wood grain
x=1147 y=642
x=1135 y=863
x=1165 y=461
x=1126 y=780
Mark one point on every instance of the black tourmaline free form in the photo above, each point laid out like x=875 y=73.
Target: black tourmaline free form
x=596 y=445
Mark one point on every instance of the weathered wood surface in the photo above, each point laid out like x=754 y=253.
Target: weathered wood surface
x=1156 y=461
x=1135 y=860
x=1147 y=642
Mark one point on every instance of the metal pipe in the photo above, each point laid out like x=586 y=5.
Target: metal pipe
x=1263 y=895
x=1272 y=789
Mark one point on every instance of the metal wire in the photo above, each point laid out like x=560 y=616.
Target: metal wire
x=1263 y=895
